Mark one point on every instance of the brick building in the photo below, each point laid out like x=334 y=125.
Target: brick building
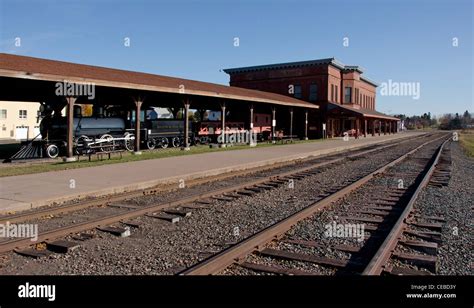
x=346 y=98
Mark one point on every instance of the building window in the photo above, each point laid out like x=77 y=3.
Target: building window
x=297 y=91
x=332 y=93
x=313 y=92
x=22 y=114
x=336 y=91
x=347 y=94
x=356 y=94
x=3 y=113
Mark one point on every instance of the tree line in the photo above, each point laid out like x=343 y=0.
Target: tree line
x=447 y=121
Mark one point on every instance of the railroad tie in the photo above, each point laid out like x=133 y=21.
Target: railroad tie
x=428 y=262
x=118 y=231
x=274 y=269
x=62 y=246
x=406 y=271
x=374 y=220
x=305 y=243
x=426 y=247
x=178 y=212
x=33 y=253
x=425 y=235
x=427 y=225
x=163 y=216
x=292 y=256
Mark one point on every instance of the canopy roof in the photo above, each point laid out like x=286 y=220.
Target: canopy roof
x=13 y=66
x=363 y=112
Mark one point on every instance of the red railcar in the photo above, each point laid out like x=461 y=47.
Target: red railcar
x=209 y=131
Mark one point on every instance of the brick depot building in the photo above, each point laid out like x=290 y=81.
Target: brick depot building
x=345 y=97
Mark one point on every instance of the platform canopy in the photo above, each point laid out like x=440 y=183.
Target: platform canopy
x=32 y=79
x=355 y=110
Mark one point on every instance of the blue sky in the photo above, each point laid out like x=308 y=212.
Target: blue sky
x=405 y=41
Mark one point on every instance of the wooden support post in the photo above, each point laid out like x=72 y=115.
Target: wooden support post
x=291 y=123
x=223 y=123
x=252 y=142
x=380 y=127
x=365 y=128
x=186 y=126
x=373 y=128
x=306 y=125
x=70 y=129
x=357 y=127
x=201 y=114
x=273 y=124
x=138 y=105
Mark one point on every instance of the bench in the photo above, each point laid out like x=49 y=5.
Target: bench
x=101 y=154
x=286 y=138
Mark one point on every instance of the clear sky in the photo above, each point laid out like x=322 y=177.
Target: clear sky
x=402 y=41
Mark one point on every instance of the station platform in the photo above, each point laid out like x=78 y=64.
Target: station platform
x=34 y=190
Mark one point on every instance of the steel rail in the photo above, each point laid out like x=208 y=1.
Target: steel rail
x=42 y=212
x=225 y=258
x=9 y=245
x=49 y=235
x=383 y=254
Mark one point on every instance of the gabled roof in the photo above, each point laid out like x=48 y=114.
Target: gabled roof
x=22 y=67
x=364 y=112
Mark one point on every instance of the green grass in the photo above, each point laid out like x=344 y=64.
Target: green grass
x=57 y=165
x=466 y=138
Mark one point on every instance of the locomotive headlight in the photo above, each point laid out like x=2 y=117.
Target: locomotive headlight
x=149 y=132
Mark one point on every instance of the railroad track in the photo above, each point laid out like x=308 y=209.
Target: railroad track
x=84 y=204
x=389 y=222
x=168 y=209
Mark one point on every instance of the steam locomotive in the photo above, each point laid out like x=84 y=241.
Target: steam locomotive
x=100 y=134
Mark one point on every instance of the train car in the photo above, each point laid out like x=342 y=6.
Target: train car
x=209 y=131
x=164 y=133
x=262 y=126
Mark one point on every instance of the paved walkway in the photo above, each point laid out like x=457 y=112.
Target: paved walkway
x=27 y=191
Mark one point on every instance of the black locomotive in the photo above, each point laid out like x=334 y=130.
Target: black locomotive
x=99 y=133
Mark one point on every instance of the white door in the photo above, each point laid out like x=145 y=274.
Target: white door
x=36 y=132
x=21 y=133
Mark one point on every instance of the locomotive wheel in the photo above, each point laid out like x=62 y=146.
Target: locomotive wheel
x=163 y=142
x=52 y=151
x=151 y=144
x=81 y=144
x=109 y=145
x=176 y=142
x=129 y=143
